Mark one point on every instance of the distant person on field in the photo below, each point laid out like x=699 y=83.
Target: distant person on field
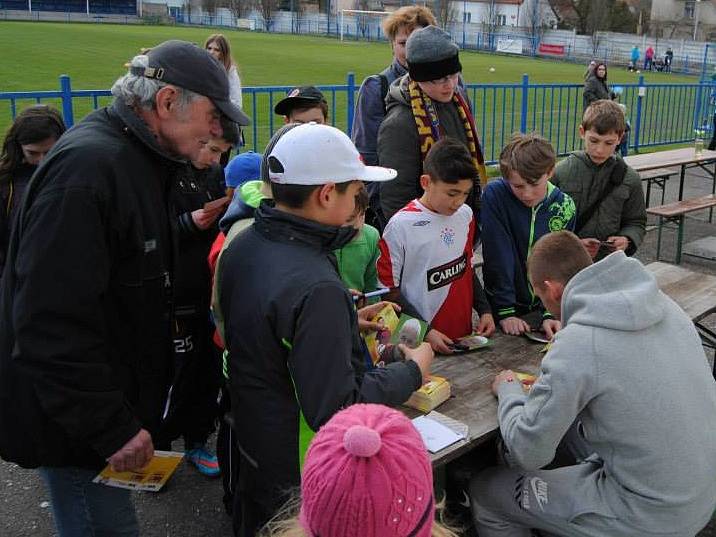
x=303 y=105
x=668 y=59
x=595 y=86
x=29 y=138
x=86 y=301
x=191 y=408
x=516 y=211
x=611 y=213
x=291 y=329
x=648 y=58
x=427 y=249
x=367 y=474
x=424 y=106
x=370 y=105
x=624 y=396
x=634 y=63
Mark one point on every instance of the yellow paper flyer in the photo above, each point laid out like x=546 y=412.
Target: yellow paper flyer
x=151 y=478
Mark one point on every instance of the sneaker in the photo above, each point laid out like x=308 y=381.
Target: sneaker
x=205 y=462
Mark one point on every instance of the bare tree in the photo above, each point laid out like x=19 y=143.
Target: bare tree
x=210 y=6
x=534 y=20
x=444 y=12
x=267 y=9
x=491 y=17
x=239 y=8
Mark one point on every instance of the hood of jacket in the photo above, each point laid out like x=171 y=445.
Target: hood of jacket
x=281 y=226
x=398 y=93
x=244 y=203
x=616 y=293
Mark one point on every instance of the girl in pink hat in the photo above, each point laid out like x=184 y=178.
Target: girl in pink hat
x=367 y=474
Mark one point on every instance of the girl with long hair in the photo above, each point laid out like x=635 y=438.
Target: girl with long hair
x=218 y=46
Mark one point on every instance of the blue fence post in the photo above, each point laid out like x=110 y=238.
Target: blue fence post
x=525 y=100
x=350 y=100
x=641 y=90
x=66 y=89
x=703 y=65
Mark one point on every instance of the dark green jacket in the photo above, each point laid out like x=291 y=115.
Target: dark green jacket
x=622 y=212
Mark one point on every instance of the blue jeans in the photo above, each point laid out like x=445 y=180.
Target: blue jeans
x=85 y=509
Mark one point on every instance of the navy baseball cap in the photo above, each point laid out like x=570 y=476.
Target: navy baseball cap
x=187 y=66
x=301 y=96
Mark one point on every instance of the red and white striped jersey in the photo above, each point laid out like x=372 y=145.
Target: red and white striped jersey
x=429 y=257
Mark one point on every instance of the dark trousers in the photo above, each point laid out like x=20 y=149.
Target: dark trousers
x=192 y=407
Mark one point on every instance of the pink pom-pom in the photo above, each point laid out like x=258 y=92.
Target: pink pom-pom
x=361 y=441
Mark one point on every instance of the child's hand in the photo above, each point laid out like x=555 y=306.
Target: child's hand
x=619 y=242
x=550 y=327
x=514 y=326
x=592 y=246
x=486 y=326
x=204 y=219
x=422 y=355
x=439 y=341
x=365 y=316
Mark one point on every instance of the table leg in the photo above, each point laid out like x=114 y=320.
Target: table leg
x=713 y=191
x=679 y=238
x=658 y=241
x=681 y=182
x=648 y=192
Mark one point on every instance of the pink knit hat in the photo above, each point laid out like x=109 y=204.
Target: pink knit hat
x=367 y=474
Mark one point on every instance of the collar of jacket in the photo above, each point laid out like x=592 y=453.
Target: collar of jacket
x=285 y=227
x=582 y=155
x=140 y=129
x=397 y=69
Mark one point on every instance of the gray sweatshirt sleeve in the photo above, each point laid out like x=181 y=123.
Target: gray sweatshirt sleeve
x=398 y=148
x=533 y=425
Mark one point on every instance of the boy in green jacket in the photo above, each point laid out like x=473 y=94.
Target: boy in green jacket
x=611 y=213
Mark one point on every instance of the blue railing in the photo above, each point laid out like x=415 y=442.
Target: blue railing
x=659 y=114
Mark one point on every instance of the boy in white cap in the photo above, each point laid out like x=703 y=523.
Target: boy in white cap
x=291 y=330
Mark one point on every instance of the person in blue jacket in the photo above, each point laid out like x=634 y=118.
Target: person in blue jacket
x=516 y=211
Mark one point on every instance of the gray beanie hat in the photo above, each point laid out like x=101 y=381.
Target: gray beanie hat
x=431 y=54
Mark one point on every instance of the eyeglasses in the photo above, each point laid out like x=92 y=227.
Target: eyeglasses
x=445 y=79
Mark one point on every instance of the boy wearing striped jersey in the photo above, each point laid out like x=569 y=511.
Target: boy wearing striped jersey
x=426 y=250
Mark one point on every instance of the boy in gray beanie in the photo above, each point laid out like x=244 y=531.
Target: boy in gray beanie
x=423 y=106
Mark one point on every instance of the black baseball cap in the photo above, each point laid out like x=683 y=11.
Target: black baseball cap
x=298 y=97
x=187 y=66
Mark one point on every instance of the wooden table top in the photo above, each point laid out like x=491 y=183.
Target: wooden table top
x=470 y=377
x=693 y=291
x=664 y=159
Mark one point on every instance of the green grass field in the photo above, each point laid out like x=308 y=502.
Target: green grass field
x=35 y=54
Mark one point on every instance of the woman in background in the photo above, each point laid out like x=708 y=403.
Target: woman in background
x=29 y=138
x=218 y=46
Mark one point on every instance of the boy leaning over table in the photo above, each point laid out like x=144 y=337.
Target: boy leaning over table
x=625 y=389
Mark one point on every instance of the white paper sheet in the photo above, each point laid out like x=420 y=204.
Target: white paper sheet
x=436 y=436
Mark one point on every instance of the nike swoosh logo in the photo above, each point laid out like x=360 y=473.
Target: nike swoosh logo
x=536 y=493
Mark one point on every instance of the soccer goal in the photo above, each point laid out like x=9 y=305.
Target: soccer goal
x=362 y=19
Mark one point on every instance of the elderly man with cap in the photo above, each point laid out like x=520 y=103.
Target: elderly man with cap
x=423 y=106
x=85 y=347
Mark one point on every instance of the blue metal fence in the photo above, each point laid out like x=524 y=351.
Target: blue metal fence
x=659 y=114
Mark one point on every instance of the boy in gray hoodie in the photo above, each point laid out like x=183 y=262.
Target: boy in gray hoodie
x=626 y=389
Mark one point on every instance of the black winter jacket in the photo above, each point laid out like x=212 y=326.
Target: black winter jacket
x=85 y=347
x=192 y=189
x=292 y=336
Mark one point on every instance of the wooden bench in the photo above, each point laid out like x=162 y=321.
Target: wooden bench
x=658 y=177
x=674 y=213
x=694 y=292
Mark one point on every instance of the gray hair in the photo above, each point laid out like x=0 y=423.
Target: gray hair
x=140 y=92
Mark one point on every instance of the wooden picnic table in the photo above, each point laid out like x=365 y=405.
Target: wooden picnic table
x=470 y=376
x=694 y=292
x=684 y=158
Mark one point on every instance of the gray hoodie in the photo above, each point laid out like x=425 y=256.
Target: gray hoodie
x=628 y=365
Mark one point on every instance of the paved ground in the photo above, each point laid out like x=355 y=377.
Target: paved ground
x=191 y=507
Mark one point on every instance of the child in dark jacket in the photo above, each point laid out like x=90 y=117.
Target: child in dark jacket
x=291 y=331
x=516 y=211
